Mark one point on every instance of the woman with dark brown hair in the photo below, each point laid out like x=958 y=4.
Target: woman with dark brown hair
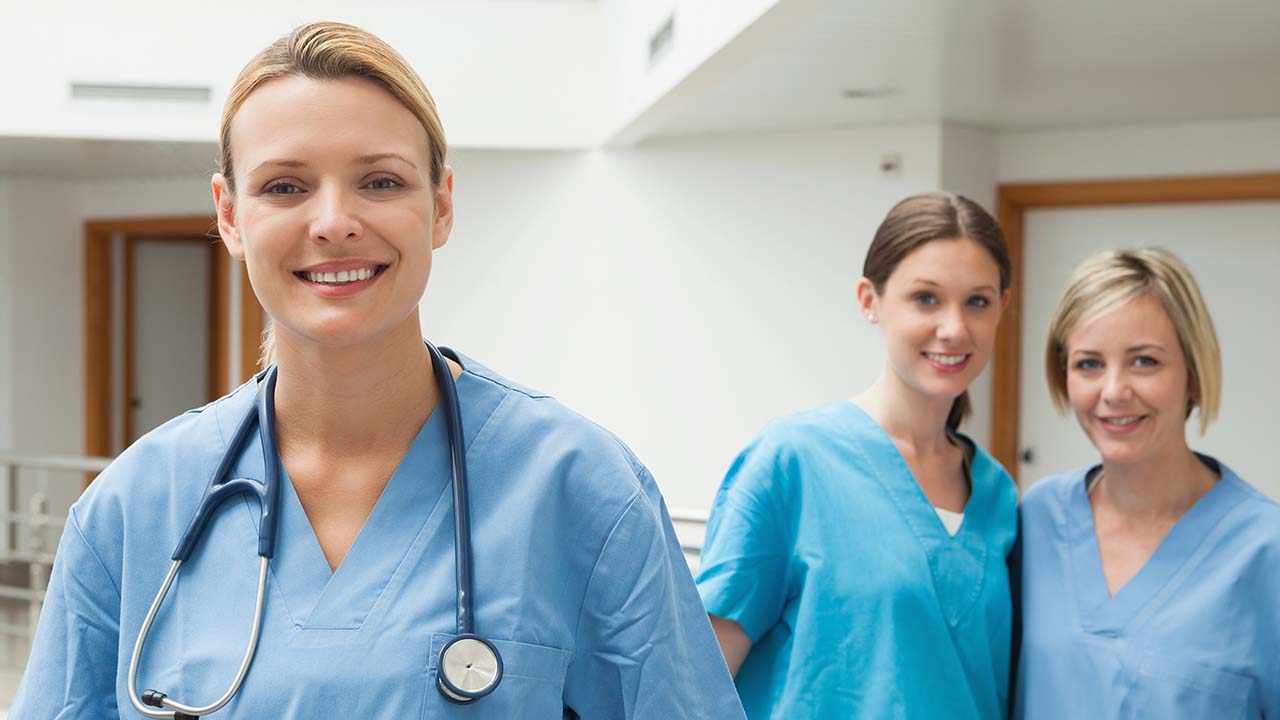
x=855 y=560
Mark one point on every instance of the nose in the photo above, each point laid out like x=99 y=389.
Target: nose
x=951 y=326
x=335 y=219
x=1116 y=389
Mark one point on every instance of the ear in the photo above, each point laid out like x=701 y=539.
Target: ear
x=223 y=203
x=1004 y=300
x=444 y=210
x=868 y=302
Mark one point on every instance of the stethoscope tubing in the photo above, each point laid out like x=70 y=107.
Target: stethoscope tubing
x=461 y=501
x=175 y=708
x=223 y=487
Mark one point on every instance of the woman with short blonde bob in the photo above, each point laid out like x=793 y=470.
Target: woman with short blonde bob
x=1150 y=581
x=574 y=599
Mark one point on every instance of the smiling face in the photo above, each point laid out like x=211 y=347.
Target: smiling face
x=939 y=310
x=1127 y=382
x=334 y=211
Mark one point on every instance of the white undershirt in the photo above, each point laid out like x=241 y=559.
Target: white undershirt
x=950 y=520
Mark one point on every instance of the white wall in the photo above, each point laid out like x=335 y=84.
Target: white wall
x=485 y=62
x=1249 y=146
x=7 y=338
x=680 y=293
x=46 y=296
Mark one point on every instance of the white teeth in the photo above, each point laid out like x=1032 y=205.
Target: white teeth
x=340 y=277
x=1123 y=421
x=945 y=359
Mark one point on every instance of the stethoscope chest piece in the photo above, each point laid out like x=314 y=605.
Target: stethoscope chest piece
x=470 y=668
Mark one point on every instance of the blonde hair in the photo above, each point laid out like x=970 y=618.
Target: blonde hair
x=332 y=51
x=1114 y=277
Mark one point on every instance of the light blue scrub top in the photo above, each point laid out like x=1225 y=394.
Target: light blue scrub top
x=579 y=581
x=1195 y=634
x=823 y=547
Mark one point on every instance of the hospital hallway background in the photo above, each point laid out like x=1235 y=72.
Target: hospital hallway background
x=661 y=213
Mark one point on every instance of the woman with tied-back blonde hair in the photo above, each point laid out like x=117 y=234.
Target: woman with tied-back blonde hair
x=1150 y=581
x=575 y=601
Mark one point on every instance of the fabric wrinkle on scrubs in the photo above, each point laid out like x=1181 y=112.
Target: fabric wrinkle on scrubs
x=827 y=552
x=580 y=581
x=1194 y=634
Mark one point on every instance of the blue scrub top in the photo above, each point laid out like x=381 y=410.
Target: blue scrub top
x=579 y=581
x=1195 y=634
x=824 y=548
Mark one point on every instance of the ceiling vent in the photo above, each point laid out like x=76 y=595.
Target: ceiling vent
x=662 y=40
x=124 y=91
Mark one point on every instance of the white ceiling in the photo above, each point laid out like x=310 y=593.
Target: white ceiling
x=1003 y=64
x=54 y=158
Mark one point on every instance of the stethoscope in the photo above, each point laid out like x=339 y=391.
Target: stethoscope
x=469 y=665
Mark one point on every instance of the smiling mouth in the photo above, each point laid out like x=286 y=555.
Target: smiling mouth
x=947 y=359
x=1121 y=422
x=343 y=277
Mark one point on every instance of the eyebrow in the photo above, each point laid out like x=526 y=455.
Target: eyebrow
x=923 y=281
x=280 y=163
x=362 y=160
x=375 y=157
x=1132 y=349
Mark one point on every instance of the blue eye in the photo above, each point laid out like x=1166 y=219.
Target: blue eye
x=979 y=301
x=1145 y=361
x=926 y=298
x=383 y=184
x=1088 y=364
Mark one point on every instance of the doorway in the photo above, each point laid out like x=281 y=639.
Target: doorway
x=1223 y=227
x=170 y=323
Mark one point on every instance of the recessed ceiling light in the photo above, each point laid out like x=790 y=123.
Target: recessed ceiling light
x=869 y=93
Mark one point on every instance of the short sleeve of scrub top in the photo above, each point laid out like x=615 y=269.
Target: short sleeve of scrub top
x=579 y=581
x=1194 y=634
x=858 y=601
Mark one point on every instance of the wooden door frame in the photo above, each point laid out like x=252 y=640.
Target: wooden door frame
x=1013 y=201
x=98 y=290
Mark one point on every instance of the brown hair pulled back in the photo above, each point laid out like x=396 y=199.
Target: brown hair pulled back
x=922 y=219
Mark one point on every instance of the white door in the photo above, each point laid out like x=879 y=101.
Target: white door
x=170 y=331
x=1233 y=249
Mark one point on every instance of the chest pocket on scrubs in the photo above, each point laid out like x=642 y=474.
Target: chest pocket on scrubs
x=532 y=684
x=1172 y=688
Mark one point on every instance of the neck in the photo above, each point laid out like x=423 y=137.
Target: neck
x=357 y=398
x=907 y=415
x=1166 y=485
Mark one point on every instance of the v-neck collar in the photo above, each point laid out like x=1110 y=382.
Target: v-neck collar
x=893 y=472
x=318 y=599
x=957 y=563
x=1105 y=614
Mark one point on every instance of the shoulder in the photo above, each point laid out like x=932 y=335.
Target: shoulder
x=176 y=457
x=809 y=444
x=1052 y=490
x=585 y=468
x=809 y=432
x=525 y=416
x=1258 y=511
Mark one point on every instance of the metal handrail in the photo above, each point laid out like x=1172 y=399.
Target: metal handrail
x=74 y=463
x=26 y=523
